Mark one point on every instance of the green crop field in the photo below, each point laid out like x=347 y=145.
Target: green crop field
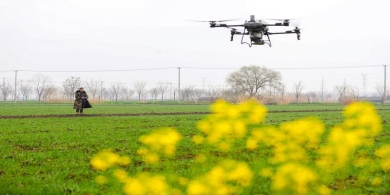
x=51 y=154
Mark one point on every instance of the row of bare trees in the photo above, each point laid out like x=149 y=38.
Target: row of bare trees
x=249 y=81
x=263 y=83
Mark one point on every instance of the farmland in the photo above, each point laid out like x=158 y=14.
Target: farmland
x=50 y=153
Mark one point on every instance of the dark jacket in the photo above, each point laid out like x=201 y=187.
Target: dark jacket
x=78 y=102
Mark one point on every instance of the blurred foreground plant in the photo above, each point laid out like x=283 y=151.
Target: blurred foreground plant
x=305 y=158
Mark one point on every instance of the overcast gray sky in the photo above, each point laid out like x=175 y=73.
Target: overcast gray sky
x=136 y=34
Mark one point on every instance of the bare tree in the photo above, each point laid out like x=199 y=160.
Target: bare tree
x=25 y=89
x=215 y=92
x=311 y=96
x=154 y=92
x=6 y=89
x=49 y=92
x=93 y=87
x=101 y=91
x=198 y=93
x=162 y=88
x=117 y=90
x=297 y=90
x=250 y=79
x=41 y=83
x=187 y=92
x=353 y=91
x=128 y=94
x=139 y=87
x=341 y=90
x=231 y=95
x=380 y=90
x=282 y=90
x=70 y=85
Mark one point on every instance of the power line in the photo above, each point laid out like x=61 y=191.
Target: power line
x=330 y=67
x=120 y=70
x=291 y=68
x=204 y=68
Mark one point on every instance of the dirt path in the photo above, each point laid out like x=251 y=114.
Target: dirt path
x=150 y=114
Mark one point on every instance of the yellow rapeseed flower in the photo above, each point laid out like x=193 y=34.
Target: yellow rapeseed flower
x=266 y=172
x=295 y=177
x=101 y=179
x=104 y=160
x=144 y=184
x=251 y=143
x=220 y=178
x=159 y=142
x=323 y=190
x=151 y=158
x=121 y=175
x=384 y=154
x=377 y=181
x=198 y=139
x=124 y=160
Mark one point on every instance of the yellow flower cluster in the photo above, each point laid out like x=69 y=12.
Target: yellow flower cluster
x=227 y=178
x=305 y=158
x=294 y=176
x=384 y=154
x=143 y=183
x=359 y=129
x=106 y=159
x=157 y=143
x=290 y=141
x=228 y=123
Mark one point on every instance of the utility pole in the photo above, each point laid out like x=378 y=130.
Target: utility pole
x=178 y=87
x=364 y=84
x=384 y=90
x=16 y=84
x=204 y=81
x=170 y=91
x=4 y=86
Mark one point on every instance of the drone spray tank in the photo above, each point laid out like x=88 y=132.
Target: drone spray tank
x=255 y=32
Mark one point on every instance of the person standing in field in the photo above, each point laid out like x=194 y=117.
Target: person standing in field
x=81 y=101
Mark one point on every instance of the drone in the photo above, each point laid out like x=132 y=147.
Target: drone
x=256 y=29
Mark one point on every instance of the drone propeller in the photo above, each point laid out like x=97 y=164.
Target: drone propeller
x=214 y=21
x=282 y=19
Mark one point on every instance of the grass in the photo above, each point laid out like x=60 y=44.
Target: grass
x=105 y=108
x=51 y=155
x=35 y=108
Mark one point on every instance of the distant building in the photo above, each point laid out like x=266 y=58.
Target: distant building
x=373 y=99
x=205 y=99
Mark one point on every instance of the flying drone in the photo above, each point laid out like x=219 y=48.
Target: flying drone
x=256 y=29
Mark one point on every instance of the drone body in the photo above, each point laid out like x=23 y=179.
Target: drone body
x=256 y=30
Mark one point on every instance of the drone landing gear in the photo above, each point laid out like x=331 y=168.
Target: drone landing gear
x=257 y=41
x=242 y=40
x=268 y=41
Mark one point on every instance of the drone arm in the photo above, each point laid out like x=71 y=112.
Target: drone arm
x=287 y=32
x=281 y=33
x=277 y=24
x=225 y=25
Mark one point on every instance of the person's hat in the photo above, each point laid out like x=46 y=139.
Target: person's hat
x=81 y=88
